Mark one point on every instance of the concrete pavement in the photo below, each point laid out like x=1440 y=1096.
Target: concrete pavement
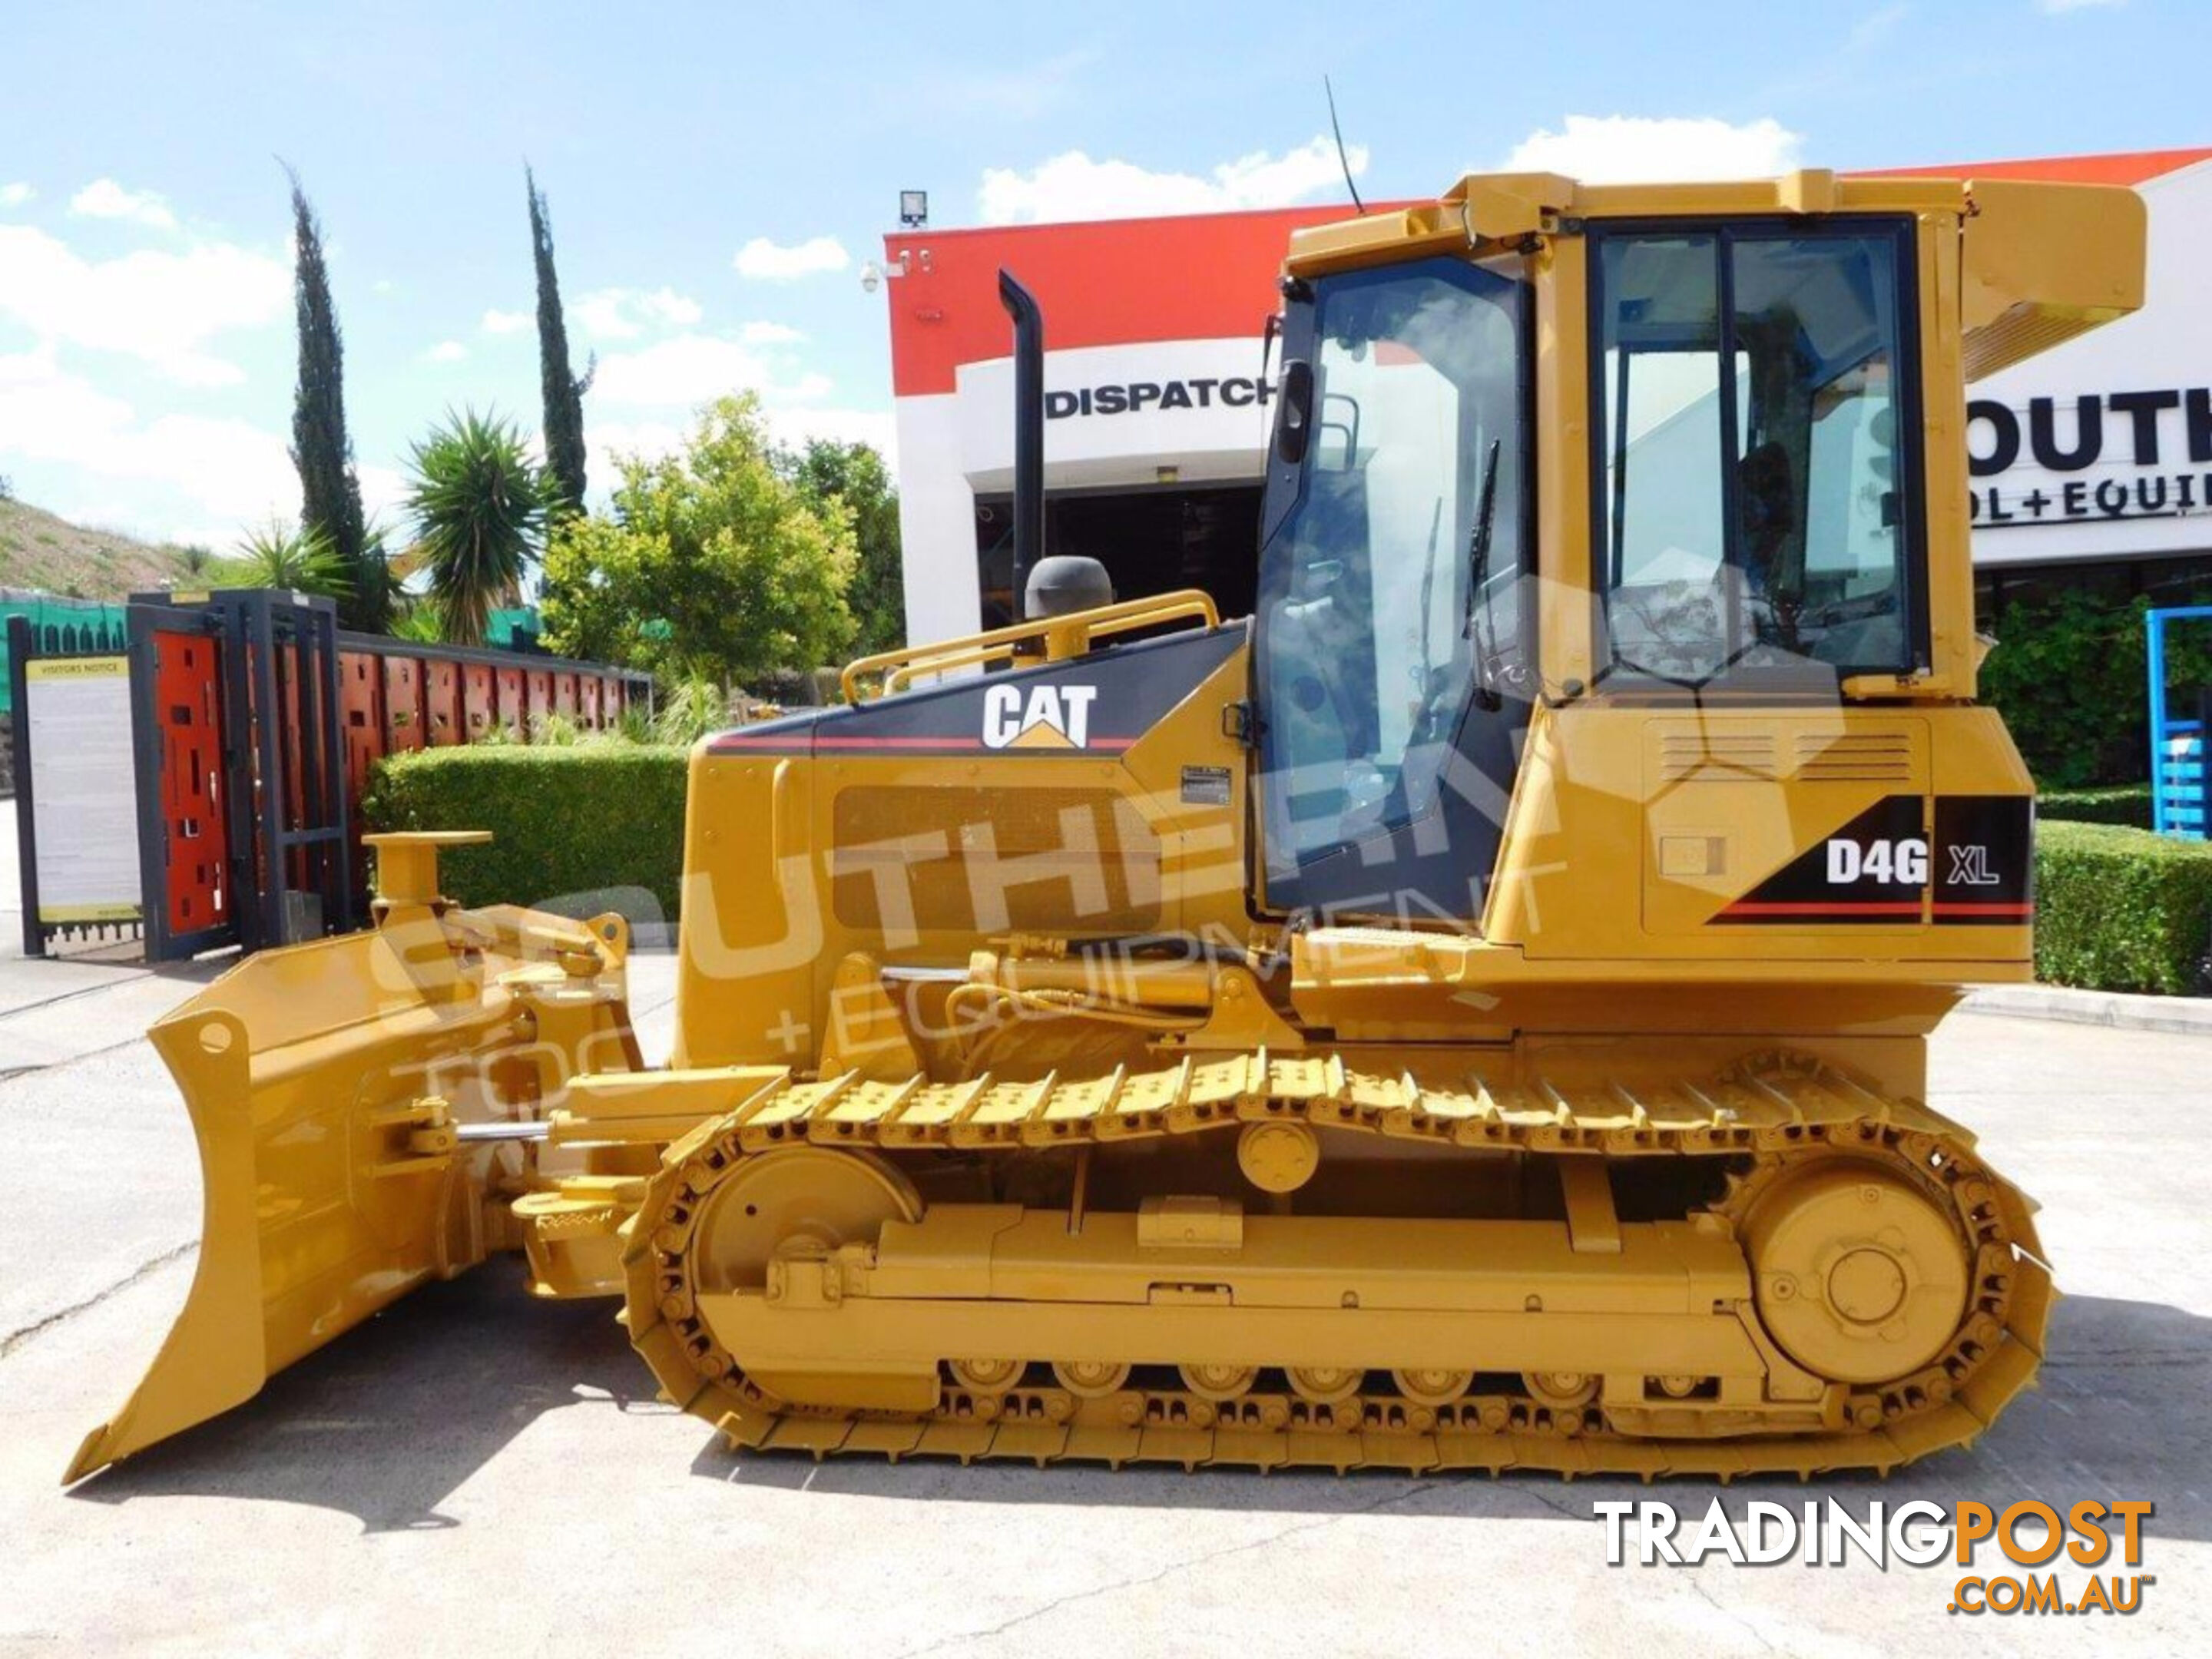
x=479 y=1472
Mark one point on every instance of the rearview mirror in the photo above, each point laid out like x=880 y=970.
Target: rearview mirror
x=1294 y=412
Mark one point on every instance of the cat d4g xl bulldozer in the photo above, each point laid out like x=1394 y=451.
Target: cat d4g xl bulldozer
x=1471 y=1014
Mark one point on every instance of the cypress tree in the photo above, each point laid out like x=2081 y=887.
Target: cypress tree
x=330 y=492
x=564 y=392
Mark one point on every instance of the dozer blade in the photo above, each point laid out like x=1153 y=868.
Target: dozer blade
x=326 y=1086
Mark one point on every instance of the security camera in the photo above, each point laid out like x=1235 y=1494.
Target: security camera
x=872 y=278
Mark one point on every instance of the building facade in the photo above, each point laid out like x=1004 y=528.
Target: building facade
x=2091 y=462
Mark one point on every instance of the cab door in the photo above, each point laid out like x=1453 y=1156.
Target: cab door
x=1391 y=680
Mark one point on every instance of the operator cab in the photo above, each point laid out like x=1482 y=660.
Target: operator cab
x=1752 y=526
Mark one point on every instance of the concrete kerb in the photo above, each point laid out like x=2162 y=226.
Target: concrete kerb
x=2186 y=1016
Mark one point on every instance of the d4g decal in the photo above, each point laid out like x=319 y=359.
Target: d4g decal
x=1884 y=868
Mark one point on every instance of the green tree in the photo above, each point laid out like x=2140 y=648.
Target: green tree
x=479 y=511
x=279 y=555
x=330 y=492
x=854 y=474
x=563 y=391
x=712 y=563
x=2068 y=676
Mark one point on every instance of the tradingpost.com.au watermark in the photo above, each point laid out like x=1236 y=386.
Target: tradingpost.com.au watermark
x=2030 y=1566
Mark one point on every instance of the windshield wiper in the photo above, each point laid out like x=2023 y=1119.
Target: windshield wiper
x=1477 y=598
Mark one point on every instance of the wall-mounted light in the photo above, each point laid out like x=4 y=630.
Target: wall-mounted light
x=914 y=209
x=873 y=275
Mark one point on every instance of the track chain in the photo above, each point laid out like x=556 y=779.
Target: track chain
x=1778 y=1109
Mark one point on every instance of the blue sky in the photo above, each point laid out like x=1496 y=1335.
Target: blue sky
x=719 y=173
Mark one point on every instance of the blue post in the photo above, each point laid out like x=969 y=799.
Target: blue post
x=2180 y=781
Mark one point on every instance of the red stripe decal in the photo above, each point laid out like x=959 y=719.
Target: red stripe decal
x=1824 y=907
x=798 y=744
x=1873 y=908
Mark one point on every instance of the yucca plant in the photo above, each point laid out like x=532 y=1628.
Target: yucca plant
x=690 y=709
x=279 y=555
x=478 y=502
x=417 y=620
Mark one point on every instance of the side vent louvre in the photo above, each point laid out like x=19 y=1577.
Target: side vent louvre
x=1717 y=756
x=1859 y=757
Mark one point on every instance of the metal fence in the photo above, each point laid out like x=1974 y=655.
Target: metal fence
x=252 y=724
x=57 y=628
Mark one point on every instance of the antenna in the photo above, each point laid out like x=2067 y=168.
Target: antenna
x=1342 y=160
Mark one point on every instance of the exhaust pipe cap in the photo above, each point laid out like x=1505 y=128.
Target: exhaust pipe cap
x=1065 y=583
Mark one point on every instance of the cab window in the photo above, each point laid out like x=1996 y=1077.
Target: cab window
x=1755 y=507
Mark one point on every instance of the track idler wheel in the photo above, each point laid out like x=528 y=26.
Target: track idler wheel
x=802 y=1200
x=1858 y=1276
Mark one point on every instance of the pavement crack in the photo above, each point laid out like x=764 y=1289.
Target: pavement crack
x=60 y=997
x=20 y=1337
x=1698 y=1585
x=10 y=1074
x=1138 y=1581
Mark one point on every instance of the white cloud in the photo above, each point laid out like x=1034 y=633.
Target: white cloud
x=506 y=322
x=103 y=198
x=160 y=307
x=689 y=369
x=624 y=313
x=1073 y=186
x=875 y=426
x=445 y=351
x=227 y=470
x=770 y=334
x=17 y=194
x=383 y=490
x=649 y=440
x=772 y=262
x=608 y=442
x=1876 y=27
x=1617 y=149
x=645 y=402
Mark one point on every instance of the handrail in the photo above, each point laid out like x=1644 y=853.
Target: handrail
x=1063 y=636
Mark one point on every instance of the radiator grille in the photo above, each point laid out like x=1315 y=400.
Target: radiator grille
x=1855 y=757
x=1717 y=756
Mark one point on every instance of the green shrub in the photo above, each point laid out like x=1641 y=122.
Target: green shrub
x=2120 y=910
x=2069 y=675
x=575 y=830
x=2127 y=803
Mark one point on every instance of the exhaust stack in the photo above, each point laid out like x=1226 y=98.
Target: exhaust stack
x=1029 y=433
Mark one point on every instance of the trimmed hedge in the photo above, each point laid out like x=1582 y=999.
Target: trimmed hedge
x=2124 y=803
x=574 y=830
x=600 y=826
x=2120 y=910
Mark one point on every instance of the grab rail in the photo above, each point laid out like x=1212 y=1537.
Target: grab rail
x=1062 y=637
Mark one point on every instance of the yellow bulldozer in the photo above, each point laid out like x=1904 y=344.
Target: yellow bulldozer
x=1472 y=1013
